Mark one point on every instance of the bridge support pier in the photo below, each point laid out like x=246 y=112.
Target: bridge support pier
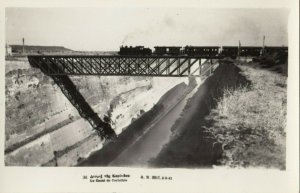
x=68 y=88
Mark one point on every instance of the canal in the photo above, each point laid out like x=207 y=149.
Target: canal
x=151 y=142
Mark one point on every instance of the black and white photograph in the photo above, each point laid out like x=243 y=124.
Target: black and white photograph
x=147 y=87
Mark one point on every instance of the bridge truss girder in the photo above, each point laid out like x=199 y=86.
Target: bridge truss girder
x=118 y=65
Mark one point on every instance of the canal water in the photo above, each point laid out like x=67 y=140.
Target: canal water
x=149 y=144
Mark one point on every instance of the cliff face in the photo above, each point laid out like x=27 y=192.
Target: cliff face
x=43 y=128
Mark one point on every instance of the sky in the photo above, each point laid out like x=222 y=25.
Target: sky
x=106 y=29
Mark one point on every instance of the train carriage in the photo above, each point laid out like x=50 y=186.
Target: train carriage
x=230 y=51
x=201 y=50
x=167 y=50
x=250 y=51
x=274 y=49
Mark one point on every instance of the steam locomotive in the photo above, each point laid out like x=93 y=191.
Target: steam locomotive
x=137 y=50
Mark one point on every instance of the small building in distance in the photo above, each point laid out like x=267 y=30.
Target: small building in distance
x=8 y=50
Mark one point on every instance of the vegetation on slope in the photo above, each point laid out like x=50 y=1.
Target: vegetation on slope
x=250 y=121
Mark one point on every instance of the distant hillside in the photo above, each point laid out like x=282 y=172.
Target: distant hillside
x=38 y=49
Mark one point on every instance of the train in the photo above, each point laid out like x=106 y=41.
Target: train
x=170 y=50
x=213 y=51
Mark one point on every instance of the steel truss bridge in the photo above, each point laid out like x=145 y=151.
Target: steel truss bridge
x=60 y=67
x=119 y=65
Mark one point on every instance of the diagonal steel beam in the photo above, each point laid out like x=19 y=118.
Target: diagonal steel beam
x=128 y=65
x=92 y=64
x=179 y=65
x=36 y=63
x=72 y=63
x=108 y=68
x=145 y=61
x=112 y=66
x=172 y=62
x=82 y=64
x=159 y=64
x=52 y=69
x=189 y=66
x=122 y=63
x=149 y=65
x=137 y=63
x=115 y=62
x=96 y=65
x=56 y=61
x=66 y=64
x=99 y=62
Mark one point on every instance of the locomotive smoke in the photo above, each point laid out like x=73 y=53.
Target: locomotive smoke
x=166 y=23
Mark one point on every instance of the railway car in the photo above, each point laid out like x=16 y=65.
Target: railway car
x=137 y=50
x=250 y=51
x=275 y=49
x=167 y=50
x=280 y=52
x=230 y=51
x=201 y=50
